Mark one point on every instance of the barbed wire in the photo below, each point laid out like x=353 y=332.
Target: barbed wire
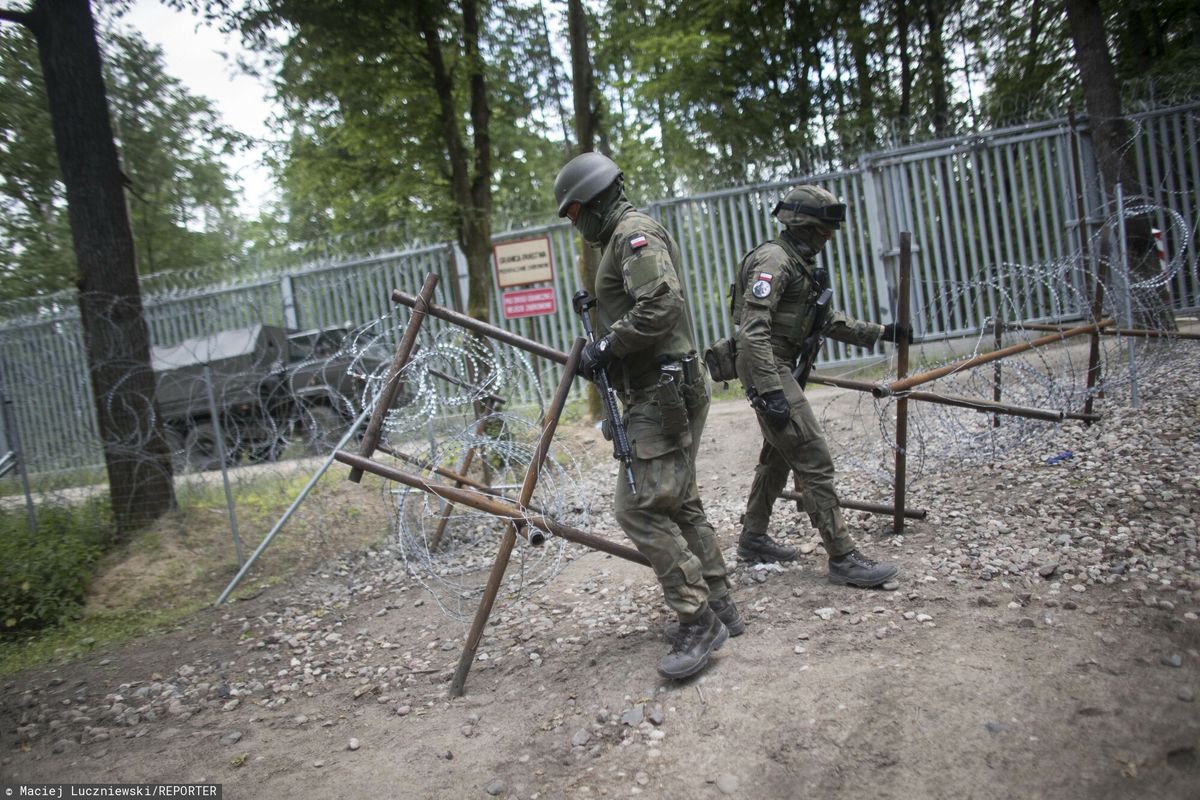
x=1054 y=376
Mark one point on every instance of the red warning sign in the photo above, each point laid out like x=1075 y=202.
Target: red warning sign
x=529 y=303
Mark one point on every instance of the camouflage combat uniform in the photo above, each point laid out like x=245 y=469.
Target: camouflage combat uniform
x=774 y=306
x=641 y=304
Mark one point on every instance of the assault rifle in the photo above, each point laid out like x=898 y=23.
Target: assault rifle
x=581 y=302
x=812 y=343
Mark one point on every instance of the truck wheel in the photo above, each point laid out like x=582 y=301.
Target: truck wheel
x=268 y=452
x=202 y=451
x=323 y=430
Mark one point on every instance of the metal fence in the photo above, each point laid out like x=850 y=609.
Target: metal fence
x=975 y=205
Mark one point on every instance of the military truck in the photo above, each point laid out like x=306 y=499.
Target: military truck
x=271 y=388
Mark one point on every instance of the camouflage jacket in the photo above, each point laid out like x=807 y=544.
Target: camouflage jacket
x=774 y=304
x=640 y=300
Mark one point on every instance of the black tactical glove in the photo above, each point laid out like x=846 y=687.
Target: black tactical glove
x=893 y=332
x=773 y=407
x=595 y=357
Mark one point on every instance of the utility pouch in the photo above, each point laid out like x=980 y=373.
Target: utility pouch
x=606 y=429
x=670 y=401
x=721 y=360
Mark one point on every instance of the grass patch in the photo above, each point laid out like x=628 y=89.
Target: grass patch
x=41 y=483
x=75 y=638
x=179 y=565
x=44 y=573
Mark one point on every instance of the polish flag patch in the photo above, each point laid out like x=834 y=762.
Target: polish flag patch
x=766 y=276
x=637 y=242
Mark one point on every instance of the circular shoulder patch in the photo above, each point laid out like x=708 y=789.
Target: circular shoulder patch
x=761 y=289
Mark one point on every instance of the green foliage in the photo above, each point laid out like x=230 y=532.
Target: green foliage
x=181 y=195
x=1157 y=44
x=44 y=574
x=364 y=145
x=36 y=254
x=183 y=205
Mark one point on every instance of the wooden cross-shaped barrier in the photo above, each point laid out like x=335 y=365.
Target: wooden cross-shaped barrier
x=521 y=517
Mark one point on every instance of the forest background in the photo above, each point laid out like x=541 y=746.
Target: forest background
x=425 y=121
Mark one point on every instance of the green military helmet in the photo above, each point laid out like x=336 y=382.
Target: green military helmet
x=810 y=205
x=583 y=178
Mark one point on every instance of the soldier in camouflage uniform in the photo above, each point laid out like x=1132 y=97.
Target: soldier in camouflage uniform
x=643 y=333
x=776 y=307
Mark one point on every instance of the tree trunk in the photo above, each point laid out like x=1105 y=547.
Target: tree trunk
x=114 y=330
x=585 y=134
x=1110 y=137
x=472 y=192
x=935 y=59
x=478 y=232
x=905 y=110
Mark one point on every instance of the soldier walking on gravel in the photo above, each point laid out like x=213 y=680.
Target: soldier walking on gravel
x=644 y=339
x=781 y=308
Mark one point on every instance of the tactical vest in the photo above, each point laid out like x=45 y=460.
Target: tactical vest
x=796 y=310
x=639 y=369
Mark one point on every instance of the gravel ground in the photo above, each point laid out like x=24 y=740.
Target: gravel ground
x=1043 y=642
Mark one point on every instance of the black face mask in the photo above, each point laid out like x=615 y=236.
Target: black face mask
x=590 y=224
x=811 y=236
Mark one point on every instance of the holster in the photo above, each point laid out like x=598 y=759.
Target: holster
x=671 y=405
x=721 y=360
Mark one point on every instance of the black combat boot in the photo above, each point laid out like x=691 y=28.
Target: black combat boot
x=727 y=612
x=759 y=547
x=693 y=645
x=855 y=569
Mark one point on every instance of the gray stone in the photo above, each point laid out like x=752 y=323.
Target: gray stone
x=634 y=716
x=727 y=783
x=496 y=787
x=231 y=738
x=1173 y=660
x=581 y=738
x=353 y=744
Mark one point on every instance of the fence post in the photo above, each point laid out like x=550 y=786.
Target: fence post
x=461 y=273
x=12 y=439
x=879 y=235
x=223 y=456
x=287 y=290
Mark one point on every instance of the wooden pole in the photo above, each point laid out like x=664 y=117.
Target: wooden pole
x=1139 y=333
x=459 y=479
x=1093 y=371
x=897 y=386
x=484 y=328
x=436 y=540
x=858 y=505
x=509 y=540
x=997 y=370
x=902 y=292
x=391 y=384
x=983 y=406
x=497 y=508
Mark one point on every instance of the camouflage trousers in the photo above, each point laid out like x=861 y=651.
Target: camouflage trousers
x=798 y=447
x=665 y=519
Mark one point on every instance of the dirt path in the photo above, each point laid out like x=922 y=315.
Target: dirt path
x=987 y=675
